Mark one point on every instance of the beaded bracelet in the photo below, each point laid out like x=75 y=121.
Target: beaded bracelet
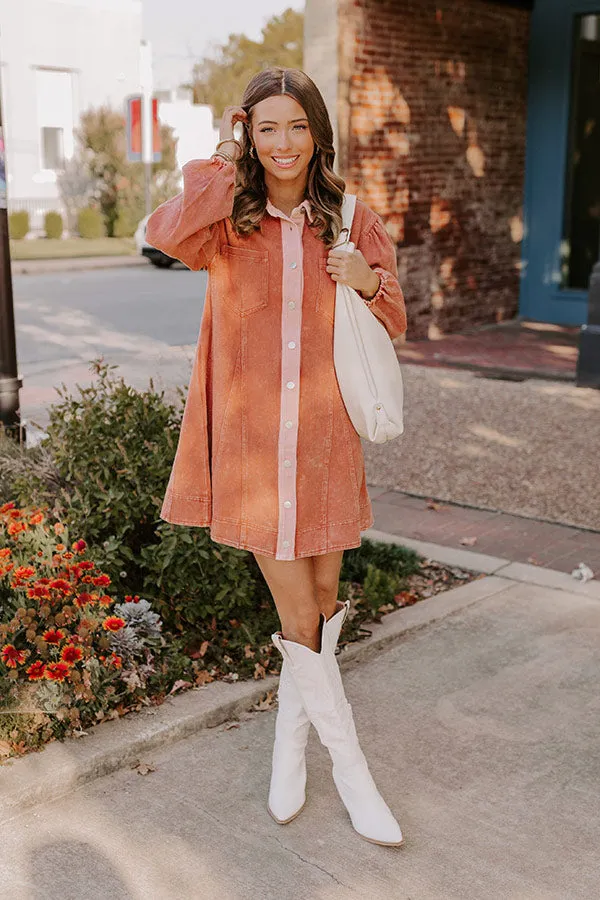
x=230 y=141
x=224 y=156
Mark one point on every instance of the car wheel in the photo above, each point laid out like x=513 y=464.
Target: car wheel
x=162 y=263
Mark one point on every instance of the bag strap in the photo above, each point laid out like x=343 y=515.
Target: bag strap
x=348 y=207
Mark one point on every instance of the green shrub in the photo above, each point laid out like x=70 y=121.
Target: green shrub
x=18 y=224
x=53 y=225
x=90 y=223
x=390 y=558
x=125 y=223
x=113 y=448
x=191 y=580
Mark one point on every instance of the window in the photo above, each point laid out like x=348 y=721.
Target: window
x=52 y=148
x=55 y=115
x=581 y=231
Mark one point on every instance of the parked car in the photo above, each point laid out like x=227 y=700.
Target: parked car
x=156 y=257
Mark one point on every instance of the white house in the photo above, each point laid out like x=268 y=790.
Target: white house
x=58 y=58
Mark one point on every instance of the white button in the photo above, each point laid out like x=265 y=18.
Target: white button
x=292 y=304
x=292 y=345
x=290 y=385
x=289 y=424
x=286 y=543
x=287 y=503
x=287 y=463
x=293 y=265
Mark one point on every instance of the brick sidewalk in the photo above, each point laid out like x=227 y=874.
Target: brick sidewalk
x=516 y=349
x=496 y=533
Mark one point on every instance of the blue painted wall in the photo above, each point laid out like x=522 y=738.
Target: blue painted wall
x=547 y=144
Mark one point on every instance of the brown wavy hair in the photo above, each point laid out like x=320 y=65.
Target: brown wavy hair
x=324 y=189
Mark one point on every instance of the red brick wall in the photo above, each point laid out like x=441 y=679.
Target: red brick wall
x=432 y=135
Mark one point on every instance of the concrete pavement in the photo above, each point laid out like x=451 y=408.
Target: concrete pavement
x=481 y=728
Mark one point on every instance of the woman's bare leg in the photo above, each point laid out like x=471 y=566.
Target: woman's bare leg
x=302 y=589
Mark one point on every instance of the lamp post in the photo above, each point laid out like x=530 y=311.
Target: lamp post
x=588 y=362
x=9 y=381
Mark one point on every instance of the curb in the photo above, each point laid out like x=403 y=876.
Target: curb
x=62 y=767
x=73 y=264
x=492 y=565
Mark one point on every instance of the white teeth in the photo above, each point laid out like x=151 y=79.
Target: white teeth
x=285 y=162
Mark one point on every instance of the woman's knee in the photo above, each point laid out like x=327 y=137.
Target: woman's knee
x=292 y=587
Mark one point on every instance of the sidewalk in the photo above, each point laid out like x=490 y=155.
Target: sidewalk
x=73 y=264
x=476 y=711
x=512 y=349
x=498 y=534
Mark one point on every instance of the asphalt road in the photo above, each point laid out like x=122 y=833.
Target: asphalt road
x=75 y=314
x=143 y=319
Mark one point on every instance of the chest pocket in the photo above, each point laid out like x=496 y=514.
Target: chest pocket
x=244 y=279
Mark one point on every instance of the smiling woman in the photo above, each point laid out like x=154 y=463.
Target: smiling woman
x=287 y=150
x=267 y=455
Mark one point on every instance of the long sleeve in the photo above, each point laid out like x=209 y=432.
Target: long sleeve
x=388 y=305
x=185 y=227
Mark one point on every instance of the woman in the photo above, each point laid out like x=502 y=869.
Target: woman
x=267 y=455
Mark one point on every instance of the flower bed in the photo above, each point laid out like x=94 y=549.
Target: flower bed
x=130 y=608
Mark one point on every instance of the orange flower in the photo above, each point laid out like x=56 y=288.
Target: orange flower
x=15 y=528
x=38 y=591
x=60 y=548
x=101 y=581
x=53 y=636
x=79 y=546
x=36 y=519
x=59 y=584
x=82 y=599
x=59 y=528
x=7 y=506
x=36 y=670
x=86 y=564
x=67 y=555
x=113 y=623
x=11 y=657
x=116 y=661
x=57 y=671
x=70 y=654
x=15 y=514
x=105 y=600
x=5 y=552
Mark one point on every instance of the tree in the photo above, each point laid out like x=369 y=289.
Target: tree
x=220 y=80
x=118 y=185
x=76 y=187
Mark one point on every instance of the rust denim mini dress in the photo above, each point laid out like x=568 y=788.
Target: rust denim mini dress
x=267 y=455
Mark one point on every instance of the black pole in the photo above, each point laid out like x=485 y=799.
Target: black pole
x=10 y=383
x=588 y=362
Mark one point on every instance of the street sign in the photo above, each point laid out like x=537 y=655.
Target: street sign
x=133 y=119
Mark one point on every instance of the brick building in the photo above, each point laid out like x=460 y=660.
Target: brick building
x=473 y=128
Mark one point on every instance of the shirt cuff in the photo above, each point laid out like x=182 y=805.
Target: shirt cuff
x=384 y=279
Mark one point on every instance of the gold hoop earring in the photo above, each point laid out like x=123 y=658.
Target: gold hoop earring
x=252 y=151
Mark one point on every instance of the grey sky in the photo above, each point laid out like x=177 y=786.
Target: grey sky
x=183 y=30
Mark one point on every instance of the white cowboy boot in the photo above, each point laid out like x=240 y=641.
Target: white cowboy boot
x=319 y=682
x=287 y=791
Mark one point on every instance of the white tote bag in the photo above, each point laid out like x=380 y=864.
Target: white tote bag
x=366 y=366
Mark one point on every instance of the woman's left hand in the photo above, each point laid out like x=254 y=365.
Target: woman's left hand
x=353 y=269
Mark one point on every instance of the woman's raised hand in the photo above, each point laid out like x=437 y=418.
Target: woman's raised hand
x=231 y=116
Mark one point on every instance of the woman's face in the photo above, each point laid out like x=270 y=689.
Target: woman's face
x=281 y=136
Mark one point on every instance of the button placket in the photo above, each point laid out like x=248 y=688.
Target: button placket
x=291 y=317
